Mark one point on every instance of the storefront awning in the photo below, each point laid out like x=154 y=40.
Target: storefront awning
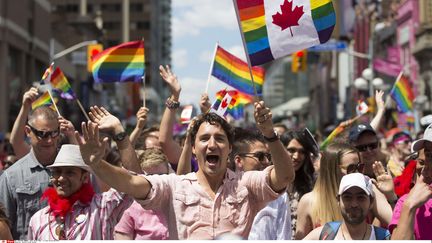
x=294 y=105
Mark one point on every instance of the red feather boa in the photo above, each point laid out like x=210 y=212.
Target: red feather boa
x=60 y=206
x=403 y=183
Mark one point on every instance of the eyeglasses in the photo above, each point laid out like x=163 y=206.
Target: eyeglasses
x=44 y=134
x=356 y=167
x=296 y=150
x=260 y=156
x=366 y=147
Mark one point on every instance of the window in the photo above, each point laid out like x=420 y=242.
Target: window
x=136 y=7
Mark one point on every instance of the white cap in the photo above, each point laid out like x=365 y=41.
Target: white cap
x=356 y=180
x=419 y=144
x=69 y=155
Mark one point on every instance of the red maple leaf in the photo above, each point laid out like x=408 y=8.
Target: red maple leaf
x=288 y=17
x=224 y=103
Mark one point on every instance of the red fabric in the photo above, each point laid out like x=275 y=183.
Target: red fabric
x=403 y=183
x=61 y=206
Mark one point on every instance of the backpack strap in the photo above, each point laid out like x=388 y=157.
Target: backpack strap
x=381 y=233
x=329 y=230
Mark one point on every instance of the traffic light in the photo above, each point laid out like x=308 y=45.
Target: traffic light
x=92 y=50
x=299 y=62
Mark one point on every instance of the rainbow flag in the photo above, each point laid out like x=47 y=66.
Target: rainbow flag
x=402 y=93
x=47 y=72
x=274 y=29
x=60 y=83
x=241 y=99
x=336 y=132
x=235 y=72
x=122 y=63
x=44 y=99
x=224 y=101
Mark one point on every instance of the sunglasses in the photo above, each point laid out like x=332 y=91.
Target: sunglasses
x=295 y=150
x=366 y=147
x=358 y=167
x=44 y=134
x=260 y=156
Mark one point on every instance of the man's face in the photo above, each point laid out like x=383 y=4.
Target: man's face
x=44 y=146
x=403 y=146
x=368 y=146
x=350 y=163
x=68 y=180
x=256 y=158
x=355 y=205
x=211 y=149
x=427 y=169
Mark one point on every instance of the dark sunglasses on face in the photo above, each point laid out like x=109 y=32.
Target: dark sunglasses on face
x=355 y=168
x=260 y=156
x=365 y=147
x=44 y=134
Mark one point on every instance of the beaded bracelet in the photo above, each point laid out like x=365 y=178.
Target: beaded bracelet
x=171 y=104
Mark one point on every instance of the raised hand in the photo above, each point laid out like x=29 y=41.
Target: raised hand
x=171 y=79
x=29 y=97
x=379 y=100
x=91 y=147
x=141 y=117
x=384 y=181
x=204 y=103
x=106 y=122
x=419 y=194
x=66 y=126
x=263 y=119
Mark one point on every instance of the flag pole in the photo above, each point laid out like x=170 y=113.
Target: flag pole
x=49 y=89
x=82 y=109
x=143 y=77
x=53 y=101
x=211 y=67
x=257 y=98
x=394 y=85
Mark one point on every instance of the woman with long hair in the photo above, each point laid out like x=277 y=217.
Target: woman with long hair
x=301 y=153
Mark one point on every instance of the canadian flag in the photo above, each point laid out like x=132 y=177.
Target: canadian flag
x=221 y=107
x=361 y=108
x=186 y=115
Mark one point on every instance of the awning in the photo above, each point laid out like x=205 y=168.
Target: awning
x=294 y=105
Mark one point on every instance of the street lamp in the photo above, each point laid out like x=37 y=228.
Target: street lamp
x=69 y=50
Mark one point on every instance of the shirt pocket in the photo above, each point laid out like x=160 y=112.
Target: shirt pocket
x=189 y=208
x=28 y=203
x=238 y=207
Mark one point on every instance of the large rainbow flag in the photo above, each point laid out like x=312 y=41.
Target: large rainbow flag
x=59 y=82
x=403 y=94
x=122 y=63
x=273 y=29
x=235 y=72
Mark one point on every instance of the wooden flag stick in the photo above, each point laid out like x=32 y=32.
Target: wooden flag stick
x=82 y=109
x=143 y=79
x=211 y=67
x=256 y=97
x=53 y=101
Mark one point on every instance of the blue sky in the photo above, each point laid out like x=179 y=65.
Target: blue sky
x=197 y=26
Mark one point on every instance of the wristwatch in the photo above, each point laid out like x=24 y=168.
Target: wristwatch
x=273 y=138
x=119 y=136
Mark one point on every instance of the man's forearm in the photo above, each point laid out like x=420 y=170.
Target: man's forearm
x=19 y=145
x=405 y=226
x=283 y=167
x=128 y=155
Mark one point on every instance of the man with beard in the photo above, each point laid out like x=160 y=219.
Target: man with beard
x=355 y=199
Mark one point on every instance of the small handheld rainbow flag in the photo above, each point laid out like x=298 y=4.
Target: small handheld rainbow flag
x=235 y=72
x=336 y=132
x=60 y=83
x=44 y=99
x=402 y=93
x=274 y=29
x=222 y=103
x=122 y=63
x=47 y=72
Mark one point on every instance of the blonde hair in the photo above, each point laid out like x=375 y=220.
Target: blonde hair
x=325 y=207
x=152 y=157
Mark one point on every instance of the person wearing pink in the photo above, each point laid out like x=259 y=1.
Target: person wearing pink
x=412 y=217
x=74 y=211
x=212 y=201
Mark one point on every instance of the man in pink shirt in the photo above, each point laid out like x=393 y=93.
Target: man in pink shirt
x=212 y=201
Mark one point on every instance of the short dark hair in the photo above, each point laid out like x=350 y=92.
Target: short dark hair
x=243 y=139
x=213 y=119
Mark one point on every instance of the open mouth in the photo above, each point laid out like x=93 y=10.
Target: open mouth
x=212 y=159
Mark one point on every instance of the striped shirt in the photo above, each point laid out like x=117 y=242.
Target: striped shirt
x=94 y=221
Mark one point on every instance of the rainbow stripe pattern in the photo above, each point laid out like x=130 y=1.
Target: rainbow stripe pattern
x=44 y=99
x=235 y=72
x=242 y=99
x=60 y=83
x=122 y=63
x=403 y=94
x=254 y=23
x=336 y=132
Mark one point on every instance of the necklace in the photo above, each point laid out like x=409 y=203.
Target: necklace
x=352 y=239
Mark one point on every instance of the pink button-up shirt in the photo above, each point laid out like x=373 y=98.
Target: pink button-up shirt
x=192 y=214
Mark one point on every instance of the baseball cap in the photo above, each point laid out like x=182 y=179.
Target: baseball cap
x=356 y=180
x=69 y=155
x=419 y=144
x=358 y=130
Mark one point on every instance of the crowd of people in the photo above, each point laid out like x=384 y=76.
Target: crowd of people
x=98 y=182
